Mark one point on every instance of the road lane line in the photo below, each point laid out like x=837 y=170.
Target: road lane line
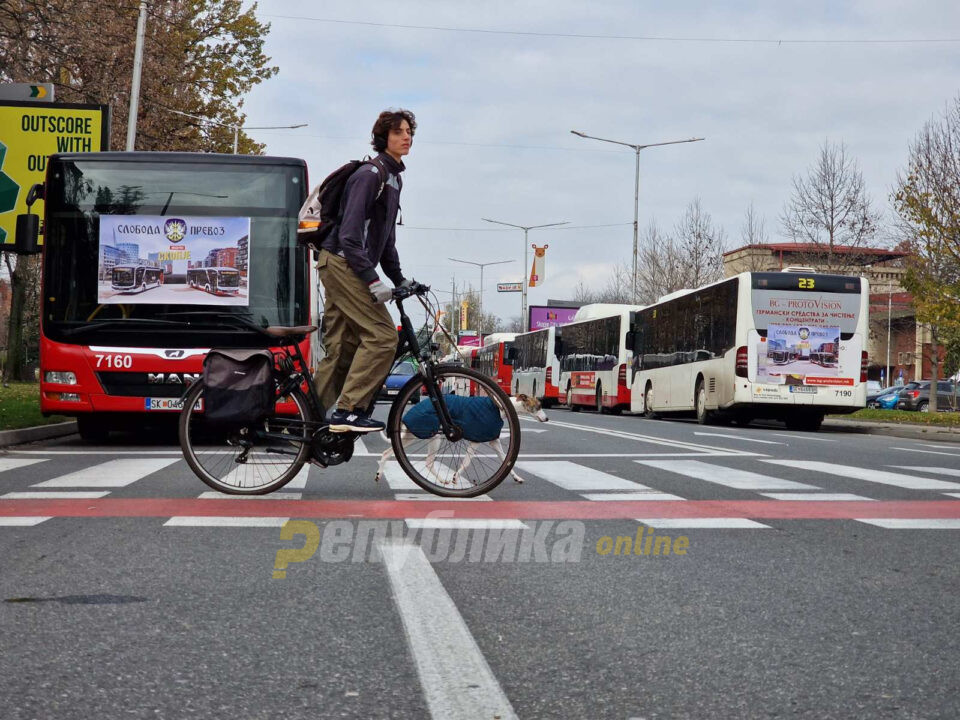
x=913 y=524
x=430 y=496
x=822 y=497
x=953 y=495
x=54 y=495
x=456 y=679
x=693 y=523
x=678 y=444
x=882 y=477
x=728 y=477
x=737 y=437
x=576 y=477
x=214 y=495
x=802 y=437
x=463 y=524
x=939 y=447
x=12 y=463
x=932 y=470
x=217 y=521
x=926 y=452
x=639 y=496
x=397 y=479
x=113 y=473
x=21 y=521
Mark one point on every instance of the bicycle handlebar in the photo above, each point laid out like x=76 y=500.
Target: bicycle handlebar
x=402 y=293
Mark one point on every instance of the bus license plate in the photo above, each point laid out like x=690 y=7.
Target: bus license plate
x=803 y=389
x=169 y=404
x=392 y=392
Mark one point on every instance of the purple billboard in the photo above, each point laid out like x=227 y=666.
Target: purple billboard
x=542 y=316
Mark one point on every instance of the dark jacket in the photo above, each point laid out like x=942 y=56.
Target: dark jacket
x=366 y=234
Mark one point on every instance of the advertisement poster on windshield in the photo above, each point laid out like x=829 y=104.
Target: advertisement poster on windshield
x=802 y=355
x=155 y=260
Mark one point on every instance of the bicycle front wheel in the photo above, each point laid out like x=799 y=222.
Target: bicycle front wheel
x=463 y=468
x=250 y=460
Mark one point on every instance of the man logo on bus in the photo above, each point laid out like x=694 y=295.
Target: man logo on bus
x=175 y=230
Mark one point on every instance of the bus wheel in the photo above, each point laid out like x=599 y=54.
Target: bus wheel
x=143 y=287
x=534 y=388
x=92 y=429
x=571 y=405
x=599 y=402
x=742 y=420
x=704 y=416
x=648 y=403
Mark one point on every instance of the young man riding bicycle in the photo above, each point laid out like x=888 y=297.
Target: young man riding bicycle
x=360 y=336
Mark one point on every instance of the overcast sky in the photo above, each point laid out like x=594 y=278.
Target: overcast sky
x=495 y=110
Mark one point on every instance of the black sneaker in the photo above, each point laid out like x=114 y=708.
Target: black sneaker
x=354 y=421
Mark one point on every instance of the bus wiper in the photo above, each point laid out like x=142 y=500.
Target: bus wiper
x=242 y=320
x=131 y=323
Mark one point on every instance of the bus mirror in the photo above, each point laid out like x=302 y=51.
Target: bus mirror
x=631 y=338
x=27 y=239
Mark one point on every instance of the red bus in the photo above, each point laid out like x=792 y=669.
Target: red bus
x=494 y=359
x=114 y=361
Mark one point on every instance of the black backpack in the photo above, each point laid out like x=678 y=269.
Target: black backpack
x=321 y=211
x=238 y=386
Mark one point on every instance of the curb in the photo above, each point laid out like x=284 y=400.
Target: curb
x=40 y=432
x=912 y=432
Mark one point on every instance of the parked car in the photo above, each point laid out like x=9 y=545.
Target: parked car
x=397 y=378
x=874 y=397
x=918 y=397
x=873 y=387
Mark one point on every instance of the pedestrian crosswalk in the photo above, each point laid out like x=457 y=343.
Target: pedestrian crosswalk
x=608 y=480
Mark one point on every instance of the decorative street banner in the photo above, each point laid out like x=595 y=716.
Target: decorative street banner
x=29 y=133
x=156 y=260
x=544 y=317
x=538 y=271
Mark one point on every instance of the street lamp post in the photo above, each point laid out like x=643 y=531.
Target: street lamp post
x=889 y=315
x=135 y=80
x=481 y=266
x=236 y=128
x=636 y=189
x=526 y=245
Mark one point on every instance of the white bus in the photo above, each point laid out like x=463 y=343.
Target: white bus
x=594 y=358
x=135 y=278
x=536 y=366
x=215 y=280
x=783 y=345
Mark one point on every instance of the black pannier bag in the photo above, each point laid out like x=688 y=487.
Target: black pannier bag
x=238 y=386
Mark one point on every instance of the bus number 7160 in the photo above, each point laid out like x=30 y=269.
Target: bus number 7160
x=115 y=361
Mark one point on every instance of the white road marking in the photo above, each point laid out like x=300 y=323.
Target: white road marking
x=882 y=477
x=913 y=523
x=66 y=495
x=802 y=437
x=939 y=447
x=214 y=495
x=823 y=497
x=677 y=444
x=430 y=496
x=113 y=473
x=575 y=477
x=463 y=524
x=953 y=495
x=193 y=521
x=457 y=682
x=932 y=470
x=12 y=463
x=725 y=523
x=396 y=478
x=925 y=452
x=737 y=437
x=360 y=447
x=21 y=521
x=632 y=496
x=728 y=477
x=299 y=482
x=104 y=451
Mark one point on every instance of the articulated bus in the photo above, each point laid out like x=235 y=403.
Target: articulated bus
x=742 y=348
x=115 y=360
x=536 y=366
x=594 y=358
x=494 y=359
x=135 y=278
x=215 y=280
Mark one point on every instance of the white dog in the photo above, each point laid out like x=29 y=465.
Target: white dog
x=523 y=404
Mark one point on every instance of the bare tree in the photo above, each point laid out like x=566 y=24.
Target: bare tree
x=701 y=245
x=754 y=228
x=615 y=290
x=659 y=269
x=831 y=211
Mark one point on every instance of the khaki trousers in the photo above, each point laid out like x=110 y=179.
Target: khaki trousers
x=359 y=336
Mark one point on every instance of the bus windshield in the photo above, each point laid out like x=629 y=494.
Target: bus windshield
x=85 y=190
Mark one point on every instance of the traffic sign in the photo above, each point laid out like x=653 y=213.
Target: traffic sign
x=40 y=92
x=31 y=132
x=509 y=287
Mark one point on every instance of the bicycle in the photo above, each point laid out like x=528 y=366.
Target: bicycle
x=260 y=457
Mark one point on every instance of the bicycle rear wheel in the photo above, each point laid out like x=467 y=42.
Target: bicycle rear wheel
x=251 y=460
x=462 y=468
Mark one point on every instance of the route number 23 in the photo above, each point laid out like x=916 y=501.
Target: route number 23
x=806 y=283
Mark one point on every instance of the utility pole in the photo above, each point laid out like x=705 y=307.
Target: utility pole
x=135 y=81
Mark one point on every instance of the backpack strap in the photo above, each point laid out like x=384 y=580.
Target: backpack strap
x=381 y=171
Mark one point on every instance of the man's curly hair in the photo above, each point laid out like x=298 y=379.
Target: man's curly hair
x=390 y=120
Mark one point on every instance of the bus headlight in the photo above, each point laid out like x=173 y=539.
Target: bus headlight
x=61 y=378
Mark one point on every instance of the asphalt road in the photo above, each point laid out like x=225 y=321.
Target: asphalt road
x=818 y=578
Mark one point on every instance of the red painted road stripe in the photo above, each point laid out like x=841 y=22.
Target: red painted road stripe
x=572 y=510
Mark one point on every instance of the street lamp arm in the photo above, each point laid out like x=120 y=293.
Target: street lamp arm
x=591 y=137
x=672 y=142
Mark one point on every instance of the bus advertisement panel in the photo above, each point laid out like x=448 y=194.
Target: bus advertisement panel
x=109 y=356
x=542 y=316
x=177 y=245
